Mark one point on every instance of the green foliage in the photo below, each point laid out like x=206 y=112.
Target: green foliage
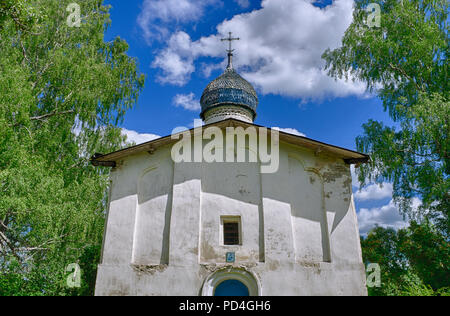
x=406 y=55
x=63 y=91
x=411 y=285
x=18 y=11
x=428 y=252
x=405 y=62
x=414 y=261
x=380 y=246
x=414 y=157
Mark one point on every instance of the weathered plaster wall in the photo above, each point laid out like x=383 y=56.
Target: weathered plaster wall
x=299 y=229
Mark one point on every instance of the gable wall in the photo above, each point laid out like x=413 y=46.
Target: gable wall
x=299 y=227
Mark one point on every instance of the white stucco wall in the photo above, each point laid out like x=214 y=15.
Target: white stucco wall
x=299 y=229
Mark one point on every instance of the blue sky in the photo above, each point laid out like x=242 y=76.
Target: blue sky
x=177 y=44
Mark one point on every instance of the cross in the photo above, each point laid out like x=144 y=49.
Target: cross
x=230 y=51
x=230 y=39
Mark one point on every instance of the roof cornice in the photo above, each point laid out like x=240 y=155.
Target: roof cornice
x=349 y=156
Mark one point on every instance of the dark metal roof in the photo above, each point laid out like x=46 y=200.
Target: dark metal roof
x=229 y=89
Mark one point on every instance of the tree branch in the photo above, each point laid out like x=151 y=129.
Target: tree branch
x=45 y=116
x=403 y=72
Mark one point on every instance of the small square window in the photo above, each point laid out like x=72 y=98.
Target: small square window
x=231 y=230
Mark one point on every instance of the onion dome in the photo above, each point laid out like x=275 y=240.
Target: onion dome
x=229 y=96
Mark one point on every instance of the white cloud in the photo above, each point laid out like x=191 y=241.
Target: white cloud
x=157 y=15
x=374 y=192
x=279 y=51
x=355 y=182
x=289 y=131
x=187 y=101
x=386 y=216
x=177 y=60
x=243 y=3
x=138 y=138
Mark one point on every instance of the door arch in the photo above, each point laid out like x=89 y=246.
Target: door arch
x=231 y=287
x=229 y=280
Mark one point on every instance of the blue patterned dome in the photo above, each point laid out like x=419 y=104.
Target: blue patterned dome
x=229 y=89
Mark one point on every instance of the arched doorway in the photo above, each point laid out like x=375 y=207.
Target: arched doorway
x=231 y=282
x=231 y=288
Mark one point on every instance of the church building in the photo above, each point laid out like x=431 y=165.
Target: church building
x=231 y=225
